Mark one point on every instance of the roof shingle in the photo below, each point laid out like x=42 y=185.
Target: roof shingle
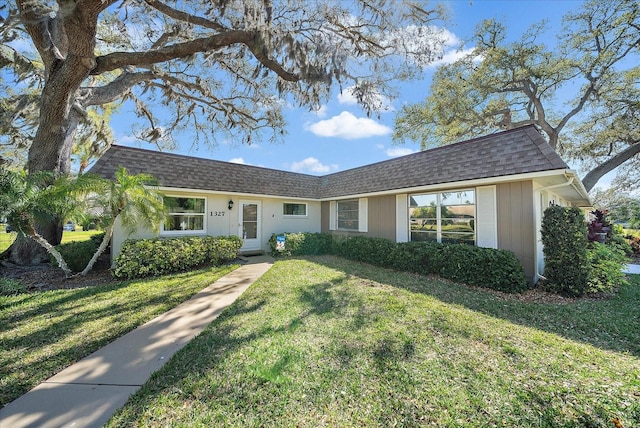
x=517 y=151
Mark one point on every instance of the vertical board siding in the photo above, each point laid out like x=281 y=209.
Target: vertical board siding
x=516 y=228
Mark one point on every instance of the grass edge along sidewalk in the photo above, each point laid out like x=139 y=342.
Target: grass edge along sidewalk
x=321 y=341
x=47 y=331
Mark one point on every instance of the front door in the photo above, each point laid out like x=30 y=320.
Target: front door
x=249 y=228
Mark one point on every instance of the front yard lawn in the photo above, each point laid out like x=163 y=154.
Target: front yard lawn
x=322 y=341
x=42 y=333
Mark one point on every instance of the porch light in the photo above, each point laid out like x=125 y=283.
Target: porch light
x=230 y=206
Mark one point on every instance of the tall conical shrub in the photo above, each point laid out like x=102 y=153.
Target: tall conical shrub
x=564 y=237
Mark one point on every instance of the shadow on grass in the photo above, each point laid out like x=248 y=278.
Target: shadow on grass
x=609 y=323
x=57 y=321
x=231 y=349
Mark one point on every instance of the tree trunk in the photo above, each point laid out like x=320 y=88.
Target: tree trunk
x=103 y=246
x=65 y=71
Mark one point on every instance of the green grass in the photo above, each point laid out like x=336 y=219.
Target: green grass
x=326 y=342
x=6 y=239
x=42 y=333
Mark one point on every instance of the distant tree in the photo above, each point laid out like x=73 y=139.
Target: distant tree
x=219 y=69
x=501 y=85
x=621 y=208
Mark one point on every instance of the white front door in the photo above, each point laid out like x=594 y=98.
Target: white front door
x=249 y=227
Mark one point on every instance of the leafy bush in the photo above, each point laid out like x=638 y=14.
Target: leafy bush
x=634 y=243
x=11 y=287
x=303 y=243
x=564 y=237
x=605 y=267
x=486 y=267
x=77 y=254
x=375 y=251
x=416 y=257
x=151 y=257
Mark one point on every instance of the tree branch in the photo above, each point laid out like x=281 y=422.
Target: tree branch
x=609 y=165
x=113 y=90
x=183 y=16
x=117 y=60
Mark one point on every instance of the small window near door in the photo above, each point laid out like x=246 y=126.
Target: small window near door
x=294 y=210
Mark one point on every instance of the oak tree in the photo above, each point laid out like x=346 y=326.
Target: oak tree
x=209 y=69
x=583 y=94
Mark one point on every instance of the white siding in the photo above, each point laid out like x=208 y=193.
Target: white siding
x=402 y=218
x=363 y=215
x=333 y=212
x=487 y=219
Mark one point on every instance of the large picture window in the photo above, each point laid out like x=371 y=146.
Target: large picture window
x=185 y=214
x=447 y=217
x=348 y=214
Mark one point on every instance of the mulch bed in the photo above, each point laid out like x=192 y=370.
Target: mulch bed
x=44 y=276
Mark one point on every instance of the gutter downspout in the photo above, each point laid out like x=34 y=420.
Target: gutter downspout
x=553 y=186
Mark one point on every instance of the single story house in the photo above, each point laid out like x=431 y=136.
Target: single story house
x=490 y=191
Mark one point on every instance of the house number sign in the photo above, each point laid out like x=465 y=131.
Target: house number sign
x=217 y=213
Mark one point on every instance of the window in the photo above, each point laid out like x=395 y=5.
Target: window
x=291 y=209
x=185 y=214
x=348 y=214
x=447 y=217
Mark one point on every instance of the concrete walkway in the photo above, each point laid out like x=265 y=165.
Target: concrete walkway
x=87 y=393
x=633 y=269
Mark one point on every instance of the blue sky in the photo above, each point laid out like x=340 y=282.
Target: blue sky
x=340 y=136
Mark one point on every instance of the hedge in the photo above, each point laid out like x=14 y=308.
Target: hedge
x=564 y=239
x=159 y=256
x=485 y=267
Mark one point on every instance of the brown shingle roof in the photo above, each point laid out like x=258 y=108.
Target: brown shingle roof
x=187 y=172
x=517 y=151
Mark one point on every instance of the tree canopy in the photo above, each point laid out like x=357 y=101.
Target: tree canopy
x=217 y=69
x=583 y=93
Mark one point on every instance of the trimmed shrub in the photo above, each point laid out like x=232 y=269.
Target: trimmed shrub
x=158 y=256
x=302 y=243
x=485 y=267
x=564 y=237
x=375 y=251
x=416 y=257
x=77 y=254
x=605 y=268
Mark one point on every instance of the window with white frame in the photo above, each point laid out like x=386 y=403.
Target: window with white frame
x=348 y=214
x=184 y=214
x=447 y=217
x=291 y=209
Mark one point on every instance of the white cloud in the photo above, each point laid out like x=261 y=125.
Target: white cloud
x=454 y=55
x=313 y=165
x=238 y=160
x=395 y=152
x=346 y=97
x=347 y=126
